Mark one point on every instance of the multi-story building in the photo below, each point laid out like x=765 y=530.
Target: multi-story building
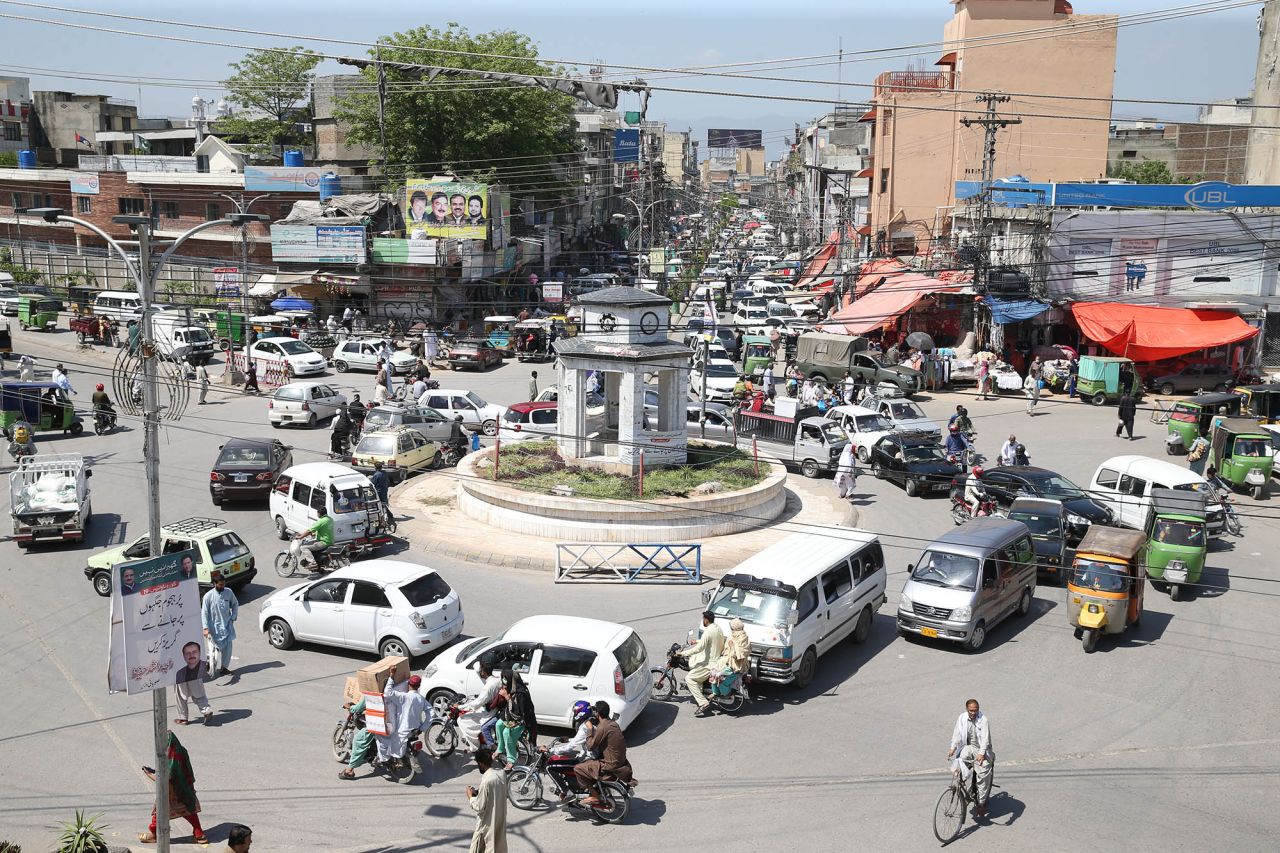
x=1059 y=85
x=333 y=147
x=15 y=114
x=65 y=125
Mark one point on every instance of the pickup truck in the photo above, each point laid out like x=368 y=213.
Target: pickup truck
x=49 y=498
x=796 y=437
x=824 y=357
x=182 y=339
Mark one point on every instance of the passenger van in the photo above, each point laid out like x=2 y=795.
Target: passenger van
x=968 y=580
x=347 y=495
x=1124 y=485
x=800 y=597
x=119 y=305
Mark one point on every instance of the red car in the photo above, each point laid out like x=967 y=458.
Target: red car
x=474 y=355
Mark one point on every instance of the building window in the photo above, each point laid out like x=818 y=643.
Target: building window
x=84 y=204
x=19 y=200
x=212 y=211
x=12 y=132
x=884 y=180
x=1130 y=154
x=886 y=122
x=48 y=199
x=170 y=210
x=132 y=206
x=126 y=123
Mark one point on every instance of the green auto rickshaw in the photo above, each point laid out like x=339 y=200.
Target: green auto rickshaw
x=757 y=354
x=1177 y=539
x=1104 y=379
x=43 y=405
x=37 y=312
x=1261 y=402
x=1241 y=451
x=1193 y=417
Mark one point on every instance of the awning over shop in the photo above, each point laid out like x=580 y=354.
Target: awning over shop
x=869 y=115
x=877 y=272
x=864 y=230
x=886 y=303
x=276 y=281
x=1145 y=333
x=865 y=173
x=818 y=265
x=1012 y=310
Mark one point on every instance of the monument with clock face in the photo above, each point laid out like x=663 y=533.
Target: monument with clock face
x=623 y=384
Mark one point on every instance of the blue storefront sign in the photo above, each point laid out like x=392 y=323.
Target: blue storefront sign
x=1206 y=195
x=626 y=146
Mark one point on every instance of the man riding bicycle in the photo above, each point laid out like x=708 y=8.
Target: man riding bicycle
x=323 y=537
x=971 y=739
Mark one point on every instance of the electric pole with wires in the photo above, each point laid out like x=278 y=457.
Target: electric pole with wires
x=990 y=122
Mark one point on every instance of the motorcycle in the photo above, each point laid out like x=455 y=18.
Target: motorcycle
x=451 y=455
x=1229 y=515
x=666 y=684
x=295 y=559
x=524 y=788
x=961 y=511
x=103 y=422
x=442 y=737
x=400 y=770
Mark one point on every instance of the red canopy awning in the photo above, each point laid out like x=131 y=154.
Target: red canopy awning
x=869 y=115
x=885 y=304
x=1145 y=333
x=948 y=58
x=865 y=173
x=864 y=230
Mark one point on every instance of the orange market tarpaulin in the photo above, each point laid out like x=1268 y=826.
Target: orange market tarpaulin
x=876 y=273
x=886 y=304
x=1144 y=333
x=818 y=265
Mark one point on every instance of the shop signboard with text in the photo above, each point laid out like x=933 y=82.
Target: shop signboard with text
x=318 y=244
x=281 y=179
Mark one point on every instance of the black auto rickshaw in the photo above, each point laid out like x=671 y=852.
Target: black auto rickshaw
x=80 y=299
x=43 y=405
x=6 y=340
x=1261 y=402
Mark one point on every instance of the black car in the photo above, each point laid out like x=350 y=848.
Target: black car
x=247 y=468
x=1008 y=482
x=914 y=459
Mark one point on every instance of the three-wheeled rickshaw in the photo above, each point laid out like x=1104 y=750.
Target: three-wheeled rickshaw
x=1104 y=379
x=532 y=340
x=1177 y=539
x=37 y=312
x=43 y=405
x=499 y=334
x=1241 y=451
x=1105 y=586
x=1261 y=402
x=1193 y=417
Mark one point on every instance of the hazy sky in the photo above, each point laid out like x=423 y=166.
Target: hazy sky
x=1198 y=58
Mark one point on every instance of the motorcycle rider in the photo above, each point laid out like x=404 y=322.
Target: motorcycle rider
x=960 y=420
x=561 y=757
x=360 y=744
x=323 y=539
x=974 y=491
x=459 y=437
x=480 y=711
x=733 y=662
x=700 y=657
x=957 y=441
x=341 y=434
x=605 y=739
x=102 y=404
x=1009 y=450
x=356 y=411
x=410 y=706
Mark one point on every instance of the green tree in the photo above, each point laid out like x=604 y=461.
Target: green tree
x=480 y=130
x=9 y=158
x=274 y=87
x=1151 y=172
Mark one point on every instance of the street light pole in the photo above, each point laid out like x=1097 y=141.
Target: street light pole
x=242 y=209
x=145 y=277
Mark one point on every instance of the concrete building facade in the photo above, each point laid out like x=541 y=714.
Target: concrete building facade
x=15 y=114
x=920 y=147
x=333 y=148
x=65 y=125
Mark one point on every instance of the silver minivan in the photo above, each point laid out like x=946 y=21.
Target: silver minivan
x=968 y=580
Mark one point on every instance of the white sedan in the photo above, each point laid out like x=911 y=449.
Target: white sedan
x=388 y=607
x=364 y=355
x=863 y=427
x=287 y=354
x=721 y=376
x=303 y=403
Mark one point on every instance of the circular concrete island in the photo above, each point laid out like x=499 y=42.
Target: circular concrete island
x=535 y=493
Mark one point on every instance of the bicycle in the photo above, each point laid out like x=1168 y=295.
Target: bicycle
x=953 y=805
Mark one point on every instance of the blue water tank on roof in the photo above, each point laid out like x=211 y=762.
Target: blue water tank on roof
x=293 y=157
x=330 y=185
x=26 y=159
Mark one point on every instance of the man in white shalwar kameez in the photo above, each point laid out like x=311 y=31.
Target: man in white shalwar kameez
x=490 y=805
x=846 y=473
x=409 y=705
x=971 y=739
x=478 y=711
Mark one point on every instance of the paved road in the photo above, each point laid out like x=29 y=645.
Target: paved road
x=1166 y=734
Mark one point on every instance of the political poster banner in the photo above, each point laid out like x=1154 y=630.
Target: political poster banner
x=446 y=209
x=392 y=250
x=226 y=281
x=156 y=635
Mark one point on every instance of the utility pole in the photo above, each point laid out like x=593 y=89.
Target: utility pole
x=242 y=208
x=990 y=122
x=1263 y=162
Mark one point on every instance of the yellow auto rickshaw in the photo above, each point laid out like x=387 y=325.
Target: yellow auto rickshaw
x=1105 y=585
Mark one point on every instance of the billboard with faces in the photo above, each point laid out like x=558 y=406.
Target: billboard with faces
x=446 y=209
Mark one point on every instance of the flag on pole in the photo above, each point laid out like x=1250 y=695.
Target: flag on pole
x=140 y=145
x=80 y=140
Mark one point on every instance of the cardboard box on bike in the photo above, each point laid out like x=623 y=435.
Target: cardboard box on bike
x=351 y=692
x=373 y=678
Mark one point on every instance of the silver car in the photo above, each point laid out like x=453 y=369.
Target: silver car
x=423 y=419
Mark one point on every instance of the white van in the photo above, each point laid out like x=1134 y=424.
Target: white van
x=802 y=596
x=346 y=495
x=1124 y=484
x=119 y=305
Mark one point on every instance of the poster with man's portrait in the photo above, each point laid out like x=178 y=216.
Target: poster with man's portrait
x=156 y=637
x=446 y=209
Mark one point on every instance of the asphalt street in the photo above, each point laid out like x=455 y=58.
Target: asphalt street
x=1166 y=733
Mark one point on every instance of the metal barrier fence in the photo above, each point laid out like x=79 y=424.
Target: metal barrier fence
x=634 y=563
x=274 y=374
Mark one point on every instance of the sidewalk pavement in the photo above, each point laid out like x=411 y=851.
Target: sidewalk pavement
x=427 y=511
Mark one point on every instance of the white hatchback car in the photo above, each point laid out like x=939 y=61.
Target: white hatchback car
x=364 y=355
x=388 y=607
x=303 y=403
x=862 y=426
x=564 y=659
x=289 y=354
x=475 y=412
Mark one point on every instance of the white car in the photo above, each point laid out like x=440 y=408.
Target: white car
x=863 y=427
x=565 y=658
x=1274 y=431
x=721 y=376
x=750 y=317
x=9 y=299
x=288 y=354
x=388 y=607
x=905 y=415
x=303 y=403
x=364 y=355
x=475 y=412
x=528 y=421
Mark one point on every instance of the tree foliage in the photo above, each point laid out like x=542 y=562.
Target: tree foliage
x=480 y=130
x=1151 y=172
x=274 y=88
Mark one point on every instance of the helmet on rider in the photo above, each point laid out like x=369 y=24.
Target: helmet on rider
x=955 y=428
x=98 y=387
x=977 y=471
x=580 y=712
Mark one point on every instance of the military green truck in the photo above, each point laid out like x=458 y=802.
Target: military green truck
x=825 y=357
